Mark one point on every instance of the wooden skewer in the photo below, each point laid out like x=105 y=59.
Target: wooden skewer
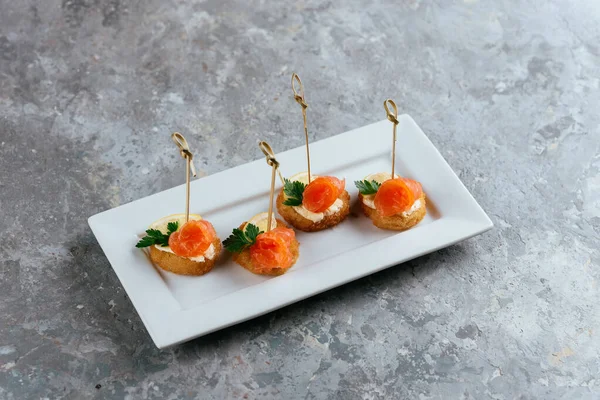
x=299 y=97
x=393 y=117
x=268 y=152
x=184 y=150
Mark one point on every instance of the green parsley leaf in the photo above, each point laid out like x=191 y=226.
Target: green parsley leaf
x=146 y=241
x=294 y=192
x=252 y=232
x=240 y=240
x=172 y=227
x=154 y=233
x=154 y=236
x=367 y=187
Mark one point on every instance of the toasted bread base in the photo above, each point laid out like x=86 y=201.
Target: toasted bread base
x=243 y=258
x=181 y=265
x=396 y=222
x=299 y=222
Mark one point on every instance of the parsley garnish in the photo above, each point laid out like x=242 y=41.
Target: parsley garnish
x=154 y=236
x=239 y=240
x=367 y=187
x=294 y=192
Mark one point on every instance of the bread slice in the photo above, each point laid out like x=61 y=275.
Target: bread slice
x=243 y=258
x=184 y=266
x=396 y=222
x=304 y=224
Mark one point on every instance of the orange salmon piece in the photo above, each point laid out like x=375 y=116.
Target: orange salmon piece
x=394 y=196
x=272 y=249
x=192 y=239
x=321 y=193
x=414 y=186
x=286 y=234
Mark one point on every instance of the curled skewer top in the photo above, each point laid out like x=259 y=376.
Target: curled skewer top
x=184 y=149
x=393 y=117
x=269 y=153
x=298 y=94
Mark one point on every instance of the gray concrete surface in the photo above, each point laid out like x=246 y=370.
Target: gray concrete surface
x=507 y=90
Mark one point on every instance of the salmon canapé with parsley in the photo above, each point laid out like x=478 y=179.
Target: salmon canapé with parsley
x=316 y=205
x=395 y=204
x=263 y=251
x=185 y=248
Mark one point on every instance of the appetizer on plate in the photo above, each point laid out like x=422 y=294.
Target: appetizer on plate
x=264 y=245
x=262 y=250
x=309 y=202
x=313 y=205
x=184 y=244
x=396 y=204
x=392 y=202
x=185 y=248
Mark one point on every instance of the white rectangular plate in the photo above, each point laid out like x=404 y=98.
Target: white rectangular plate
x=178 y=308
